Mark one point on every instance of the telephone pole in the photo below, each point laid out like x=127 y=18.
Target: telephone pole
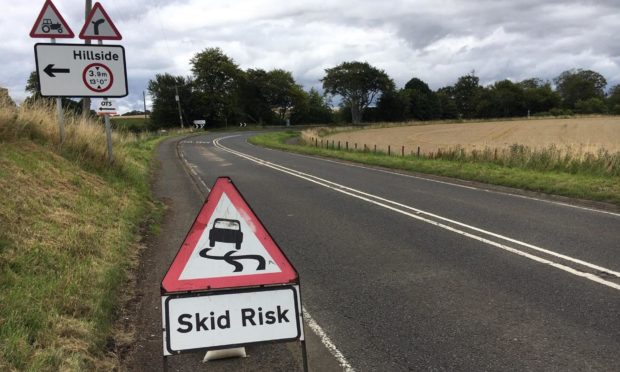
x=177 y=98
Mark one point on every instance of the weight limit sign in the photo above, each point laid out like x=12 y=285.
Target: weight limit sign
x=98 y=77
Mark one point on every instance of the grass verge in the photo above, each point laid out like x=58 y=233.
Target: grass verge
x=584 y=186
x=70 y=235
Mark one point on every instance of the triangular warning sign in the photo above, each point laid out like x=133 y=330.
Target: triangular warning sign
x=227 y=247
x=50 y=24
x=98 y=25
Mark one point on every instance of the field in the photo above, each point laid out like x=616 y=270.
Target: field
x=579 y=134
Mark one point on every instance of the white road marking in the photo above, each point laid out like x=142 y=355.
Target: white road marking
x=316 y=328
x=454 y=184
x=382 y=202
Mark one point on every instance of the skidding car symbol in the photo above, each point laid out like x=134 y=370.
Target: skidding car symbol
x=226 y=231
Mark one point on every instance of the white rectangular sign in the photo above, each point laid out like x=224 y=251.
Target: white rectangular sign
x=215 y=320
x=81 y=70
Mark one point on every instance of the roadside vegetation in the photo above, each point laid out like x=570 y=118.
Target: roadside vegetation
x=551 y=170
x=70 y=233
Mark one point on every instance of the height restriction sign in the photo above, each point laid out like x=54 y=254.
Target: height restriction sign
x=79 y=70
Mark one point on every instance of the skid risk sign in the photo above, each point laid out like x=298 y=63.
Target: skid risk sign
x=79 y=70
x=227 y=247
x=230 y=284
x=229 y=319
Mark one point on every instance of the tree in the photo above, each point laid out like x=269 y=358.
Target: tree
x=312 y=108
x=579 y=85
x=613 y=100
x=394 y=105
x=165 y=109
x=467 y=92
x=502 y=99
x=447 y=103
x=594 y=105
x=539 y=96
x=216 y=82
x=423 y=102
x=358 y=83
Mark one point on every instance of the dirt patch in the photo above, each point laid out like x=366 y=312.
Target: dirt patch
x=580 y=134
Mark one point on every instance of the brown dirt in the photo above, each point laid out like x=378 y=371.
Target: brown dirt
x=581 y=134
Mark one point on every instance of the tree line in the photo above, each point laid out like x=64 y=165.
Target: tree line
x=221 y=93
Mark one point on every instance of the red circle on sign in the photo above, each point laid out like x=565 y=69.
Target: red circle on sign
x=109 y=75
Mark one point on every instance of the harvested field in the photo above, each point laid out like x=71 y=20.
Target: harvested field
x=579 y=134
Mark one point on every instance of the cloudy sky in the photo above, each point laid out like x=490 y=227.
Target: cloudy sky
x=435 y=40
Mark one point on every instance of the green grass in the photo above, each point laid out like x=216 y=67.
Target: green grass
x=71 y=226
x=132 y=124
x=577 y=185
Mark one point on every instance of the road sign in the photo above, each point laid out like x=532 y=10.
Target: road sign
x=222 y=319
x=98 y=25
x=107 y=107
x=227 y=247
x=80 y=70
x=50 y=24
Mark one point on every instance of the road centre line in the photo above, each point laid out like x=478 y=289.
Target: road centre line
x=348 y=164
x=384 y=203
x=316 y=328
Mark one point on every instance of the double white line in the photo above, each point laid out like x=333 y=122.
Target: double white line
x=557 y=260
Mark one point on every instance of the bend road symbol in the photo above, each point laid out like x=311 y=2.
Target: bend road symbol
x=233 y=260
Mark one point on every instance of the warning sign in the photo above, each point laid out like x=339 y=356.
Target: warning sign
x=229 y=284
x=227 y=247
x=50 y=24
x=98 y=25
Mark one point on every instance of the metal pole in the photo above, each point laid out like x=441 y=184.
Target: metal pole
x=86 y=100
x=108 y=135
x=178 y=99
x=61 y=114
x=61 y=119
x=144 y=100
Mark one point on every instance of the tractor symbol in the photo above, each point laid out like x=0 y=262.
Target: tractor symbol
x=48 y=26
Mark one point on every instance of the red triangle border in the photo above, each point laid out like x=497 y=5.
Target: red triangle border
x=171 y=282
x=107 y=18
x=33 y=31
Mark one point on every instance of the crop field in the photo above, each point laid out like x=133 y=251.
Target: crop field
x=580 y=135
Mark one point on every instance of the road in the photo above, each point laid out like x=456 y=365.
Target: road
x=408 y=272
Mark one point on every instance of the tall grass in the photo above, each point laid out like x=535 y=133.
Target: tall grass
x=84 y=141
x=551 y=158
x=69 y=227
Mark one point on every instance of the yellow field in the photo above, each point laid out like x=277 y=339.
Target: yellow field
x=580 y=134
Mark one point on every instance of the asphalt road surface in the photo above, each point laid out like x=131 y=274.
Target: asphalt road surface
x=402 y=271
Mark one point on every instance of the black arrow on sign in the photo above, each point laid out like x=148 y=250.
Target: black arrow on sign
x=50 y=70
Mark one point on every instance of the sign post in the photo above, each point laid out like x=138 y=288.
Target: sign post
x=230 y=285
x=50 y=23
x=79 y=70
x=99 y=77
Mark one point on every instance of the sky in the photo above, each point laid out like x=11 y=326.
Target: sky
x=435 y=40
